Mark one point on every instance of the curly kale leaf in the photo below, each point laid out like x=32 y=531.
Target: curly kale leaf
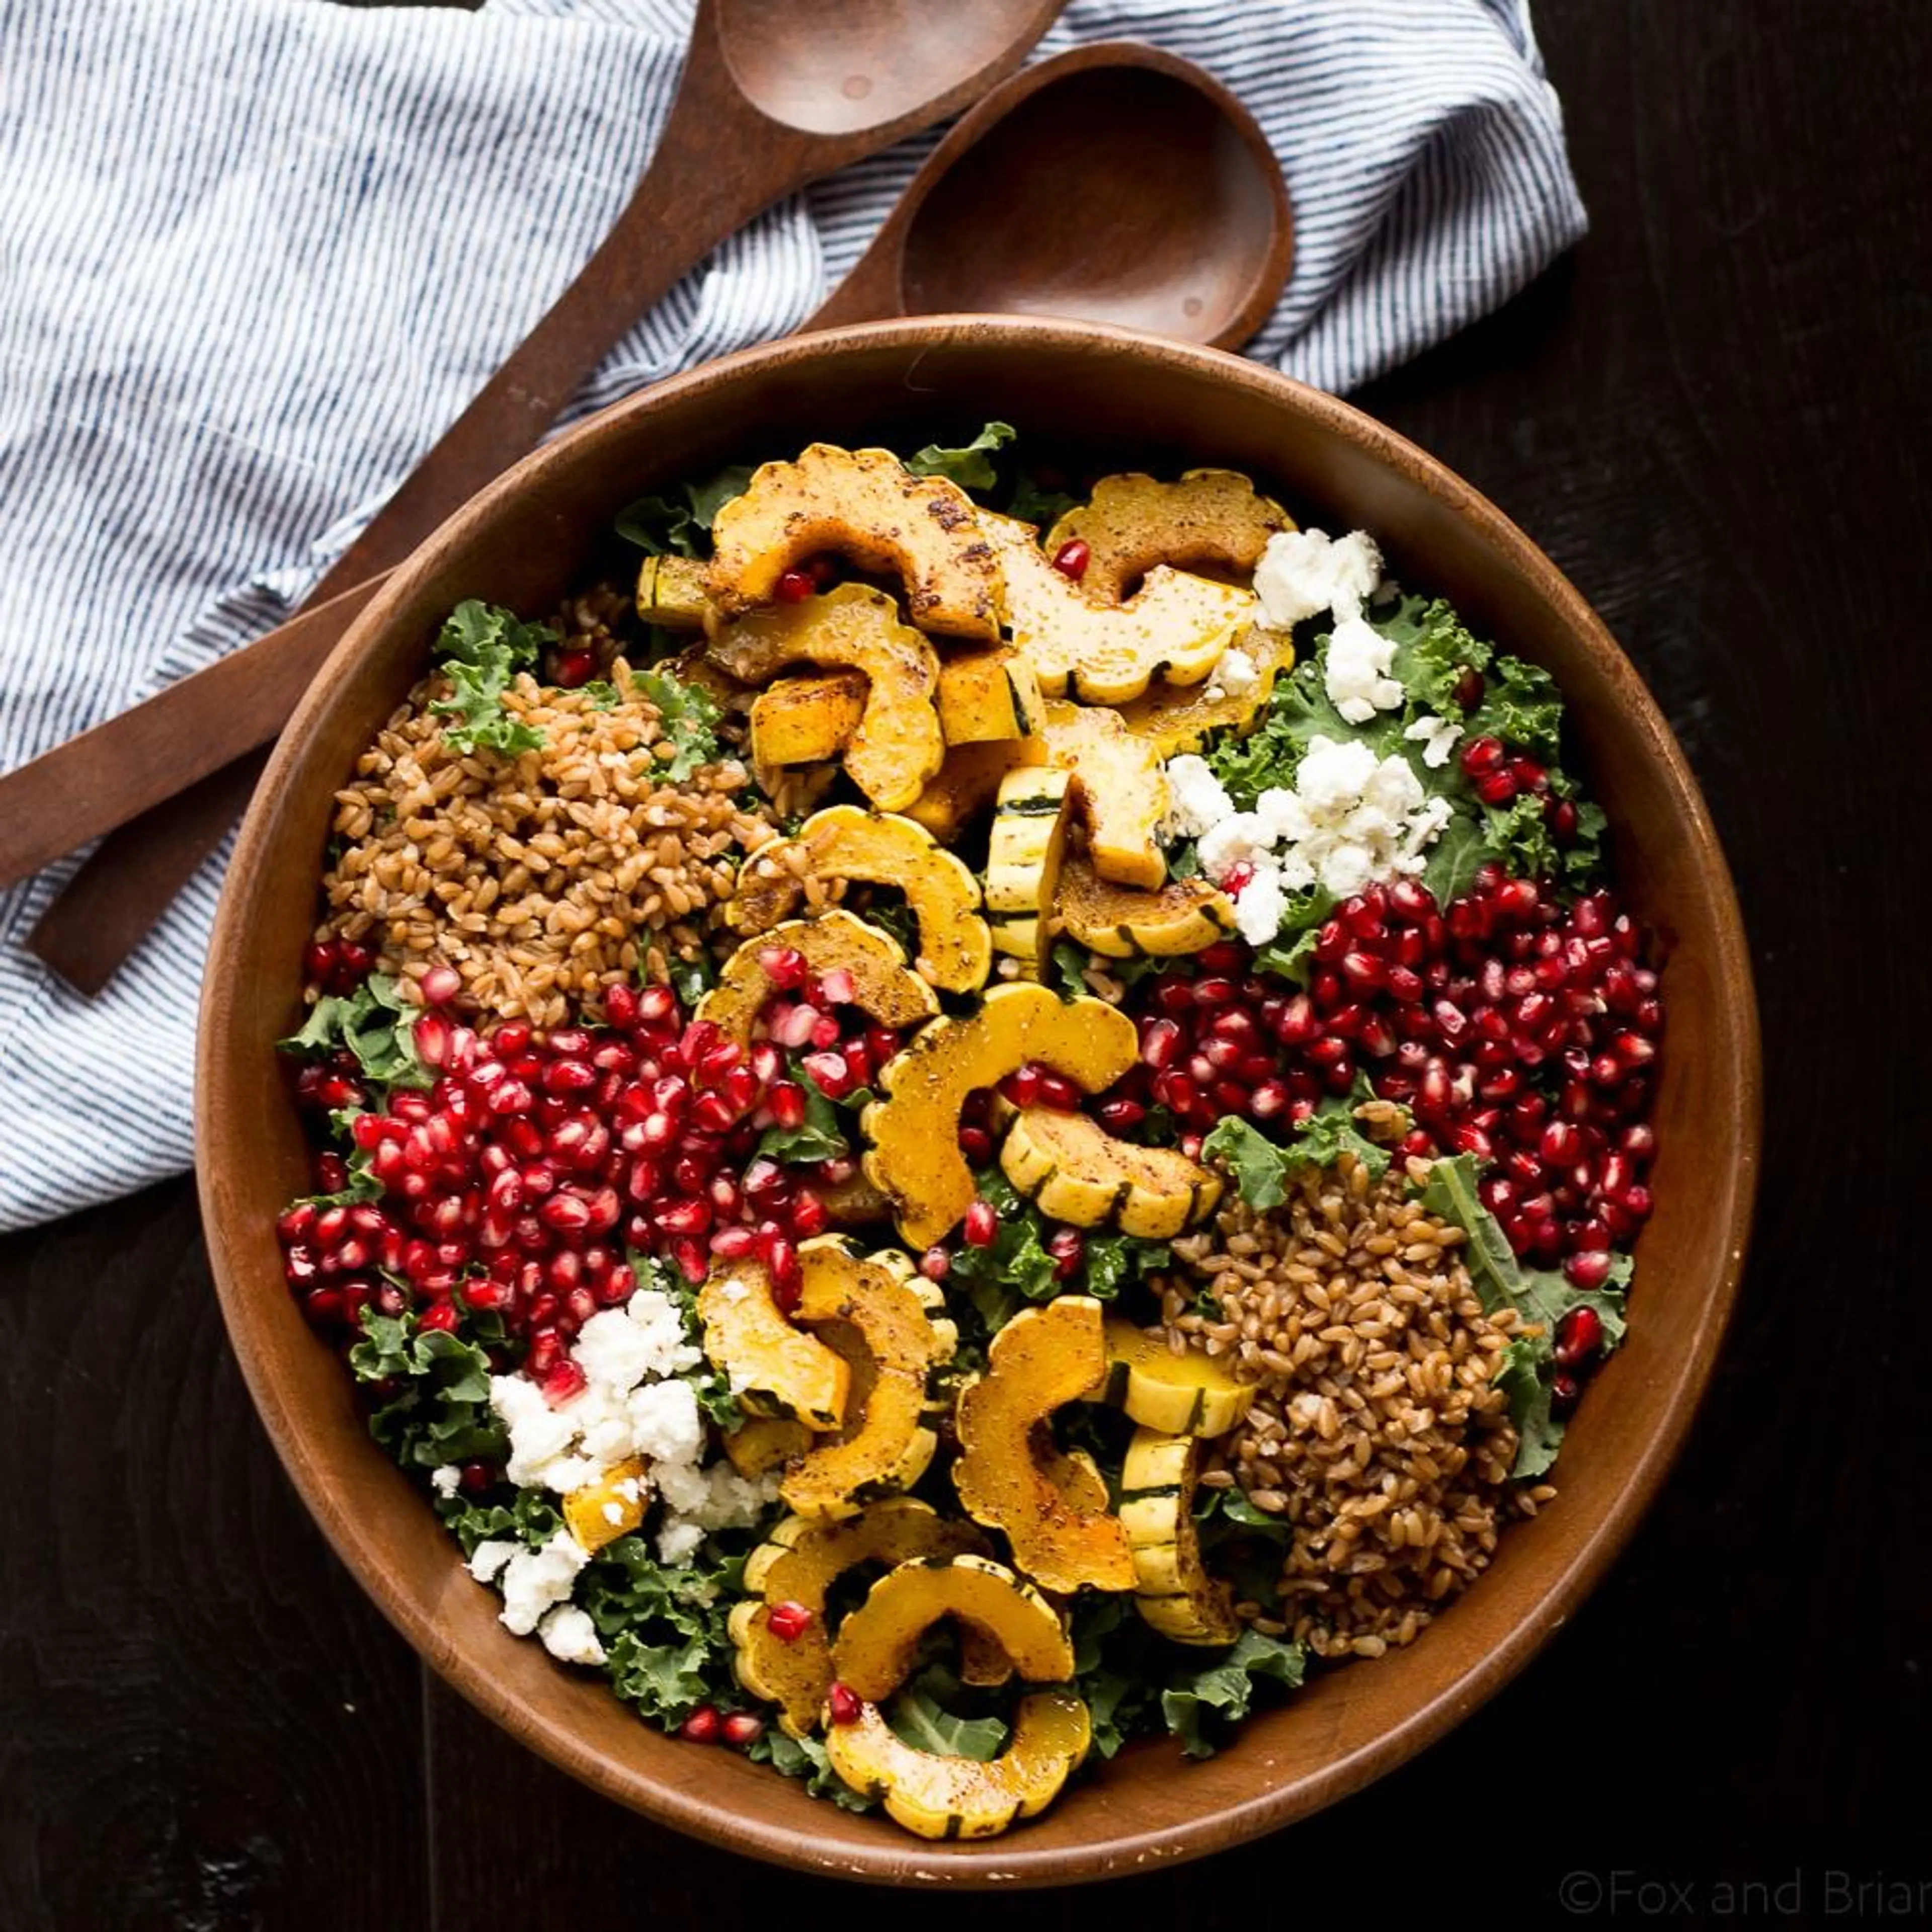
x=375 y=1024
x=1541 y=1296
x=434 y=1391
x=970 y=465
x=690 y=716
x=677 y=522
x=483 y=647
x=1261 y=1167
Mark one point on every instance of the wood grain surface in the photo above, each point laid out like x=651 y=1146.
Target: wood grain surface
x=1713 y=417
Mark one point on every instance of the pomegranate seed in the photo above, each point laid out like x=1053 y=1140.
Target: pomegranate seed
x=733 y=1244
x=1638 y=1203
x=703 y=1725
x=1565 y=1392
x=1058 y=1092
x=1160 y=1041
x=844 y=1705
x=1495 y=787
x=792 y=1027
x=832 y=1074
x=742 y=1728
x=1482 y=756
x=935 y=1263
x=781 y=1263
x=1072 y=559
x=1022 y=1086
x=788 y=1621
x=571 y=669
x=1588 y=1268
x=1119 y=1115
x=794 y=586
x=561 y=1382
x=1560 y=815
x=1238 y=877
x=442 y=1315
x=320 y=958
x=1268 y=1100
x=1214 y=992
x=982 y=1225
x=1529 y=775
x=568 y=1214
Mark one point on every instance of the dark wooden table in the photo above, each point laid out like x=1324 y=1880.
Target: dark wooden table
x=1715 y=416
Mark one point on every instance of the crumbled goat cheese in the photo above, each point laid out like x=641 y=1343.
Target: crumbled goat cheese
x=1355 y=671
x=446 y=1479
x=570 y=1637
x=666 y=1425
x=1303 y=572
x=1437 y=737
x=678 y=1541
x=619 y=1347
x=487 y=1559
x=1237 y=674
x=534 y=1579
x=1197 y=799
x=1351 y=819
x=1261 y=905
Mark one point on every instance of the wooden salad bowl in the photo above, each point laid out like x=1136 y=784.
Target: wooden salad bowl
x=1132 y=401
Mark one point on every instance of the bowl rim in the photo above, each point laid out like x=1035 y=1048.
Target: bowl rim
x=898 y=1859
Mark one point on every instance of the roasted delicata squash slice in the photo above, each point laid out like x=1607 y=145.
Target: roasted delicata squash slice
x=1042 y=1359
x=799 y=1563
x=1174 y=719
x=671 y=592
x=1073 y=1170
x=1073 y=1472
x=914 y=1158
x=939 y=1794
x=852 y=1203
x=807 y=718
x=1024 y=850
x=968 y=781
x=1120 y=787
x=773 y=1368
x=1183 y=916
x=1211 y=520
x=897 y=745
x=866 y=506
x=1173 y=1592
x=845 y=843
x=609 y=1507
x=1175 y=626
x=989 y=696
x=885 y=1444
x=875 y=1649
x=1192 y=1394
x=882 y=985
x=765 y=1443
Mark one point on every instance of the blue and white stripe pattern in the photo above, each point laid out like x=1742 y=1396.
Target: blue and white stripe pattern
x=254 y=254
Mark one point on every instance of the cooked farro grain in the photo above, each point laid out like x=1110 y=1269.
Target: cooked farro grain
x=544 y=878
x=1378 y=1434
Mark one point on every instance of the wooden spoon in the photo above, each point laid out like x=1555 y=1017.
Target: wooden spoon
x=1149 y=196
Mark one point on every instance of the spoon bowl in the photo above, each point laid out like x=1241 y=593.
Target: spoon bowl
x=842 y=70
x=1115 y=183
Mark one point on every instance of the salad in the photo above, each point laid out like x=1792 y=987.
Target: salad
x=1000 y=1111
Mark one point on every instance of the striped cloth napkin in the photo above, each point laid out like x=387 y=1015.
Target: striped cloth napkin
x=255 y=254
